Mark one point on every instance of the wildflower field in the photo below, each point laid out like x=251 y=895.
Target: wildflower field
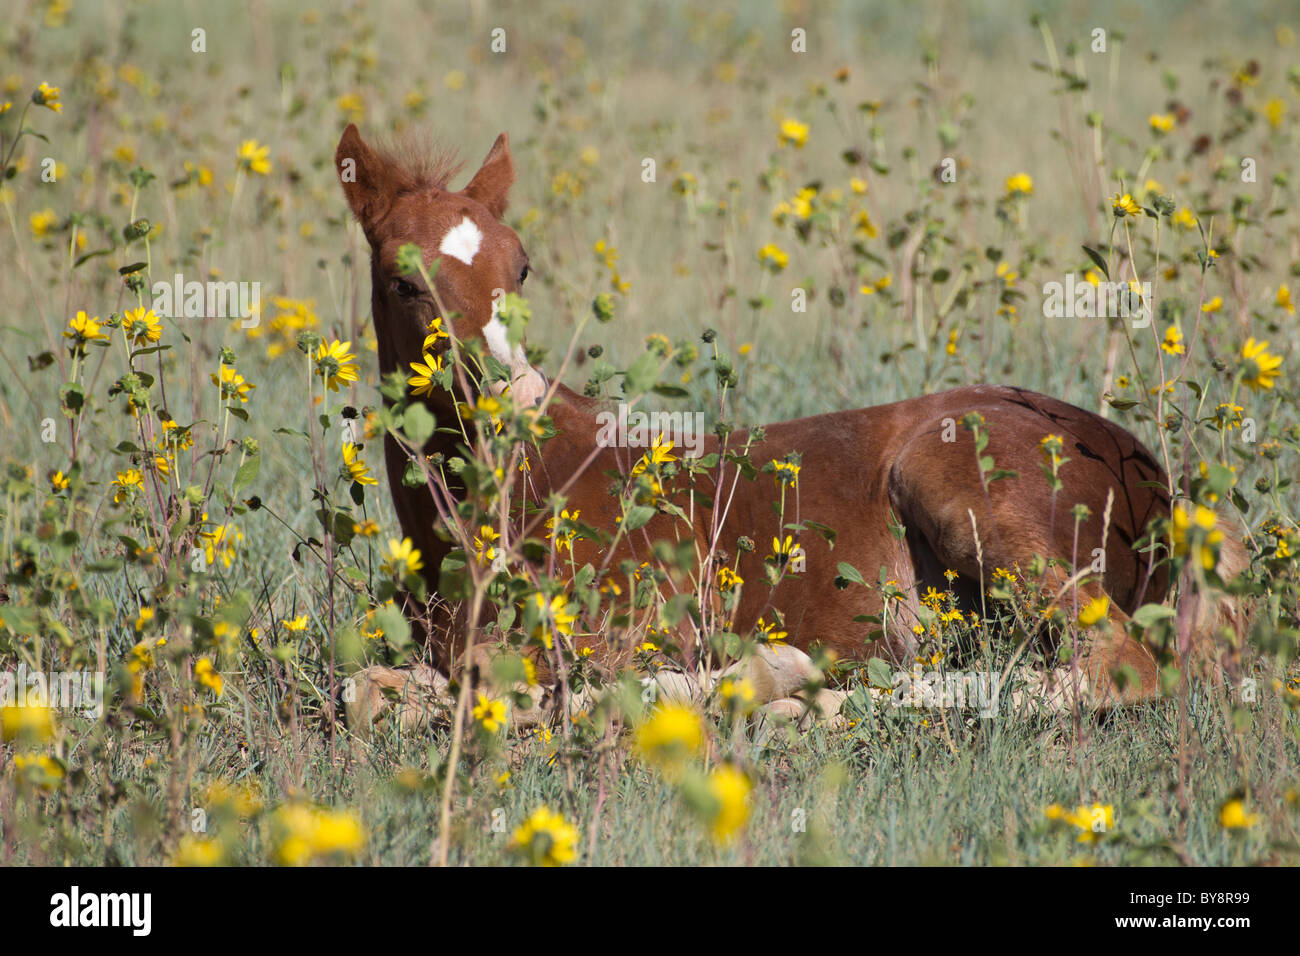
x=754 y=211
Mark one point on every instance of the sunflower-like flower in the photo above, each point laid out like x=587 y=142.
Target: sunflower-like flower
x=205 y=675
x=254 y=157
x=423 y=383
x=1091 y=821
x=1021 y=183
x=660 y=453
x=1261 y=368
x=1196 y=533
x=670 y=735
x=48 y=96
x=336 y=364
x=403 y=557
x=546 y=839
x=232 y=384
x=490 y=713
x=772 y=257
x=729 y=789
x=554 y=618
x=728 y=580
x=566 y=533
x=1233 y=815
x=792 y=133
x=768 y=634
x=82 y=329
x=1173 y=343
x=1124 y=206
x=354 y=468
x=141 y=327
x=485 y=549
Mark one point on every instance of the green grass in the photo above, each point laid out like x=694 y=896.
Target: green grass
x=701 y=89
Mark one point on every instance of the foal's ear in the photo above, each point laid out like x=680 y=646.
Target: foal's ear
x=491 y=184
x=363 y=176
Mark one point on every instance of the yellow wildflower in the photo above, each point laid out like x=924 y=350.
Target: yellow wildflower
x=793 y=132
x=254 y=158
x=546 y=839
x=1020 y=183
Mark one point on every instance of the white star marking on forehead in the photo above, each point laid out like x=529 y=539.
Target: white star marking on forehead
x=462 y=241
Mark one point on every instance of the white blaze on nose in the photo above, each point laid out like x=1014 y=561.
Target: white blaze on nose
x=495 y=334
x=526 y=383
x=462 y=241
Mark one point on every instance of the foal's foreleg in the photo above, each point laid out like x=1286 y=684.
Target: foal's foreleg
x=788 y=686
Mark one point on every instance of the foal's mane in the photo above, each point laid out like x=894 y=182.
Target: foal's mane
x=424 y=161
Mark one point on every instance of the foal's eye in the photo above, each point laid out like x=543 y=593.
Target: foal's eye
x=407 y=290
x=523 y=275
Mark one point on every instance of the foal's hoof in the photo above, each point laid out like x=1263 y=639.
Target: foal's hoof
x=1057 y=691
x=776 y=671
x=800 y=716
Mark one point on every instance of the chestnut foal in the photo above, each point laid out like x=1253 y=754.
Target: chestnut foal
x=899 y=483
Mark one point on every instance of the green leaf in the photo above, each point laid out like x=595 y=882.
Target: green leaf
x=671 y=391
x=850 y=573
x=1097 y=259
x=412 y=475
x=149 y=351
x=826 y=531
x=21 y=620
x=397 y=632
x=245 y=475
x=879 y=673
x=676 y=608
x=1220 y=479
x=641 y=375
x=90 y=255
x=638 y=517
x=418 y=423
x=1149 y=614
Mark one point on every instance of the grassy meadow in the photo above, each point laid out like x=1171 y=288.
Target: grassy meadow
x=177 y=515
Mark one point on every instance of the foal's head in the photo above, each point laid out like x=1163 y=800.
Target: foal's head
x=401 y=200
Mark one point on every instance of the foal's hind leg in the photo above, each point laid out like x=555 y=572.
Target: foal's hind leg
x=1111 y=658
x=942 y=533
x=1110 y=667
